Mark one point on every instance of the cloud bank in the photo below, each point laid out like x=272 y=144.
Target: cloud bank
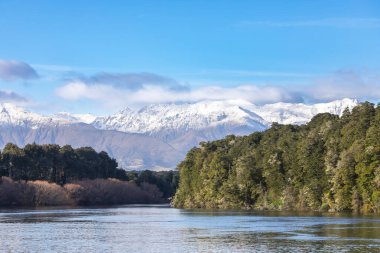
x=149 y=94
x=362 y=86
x=16 y=70
x=123 y=90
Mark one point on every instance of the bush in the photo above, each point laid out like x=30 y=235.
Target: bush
x=16 y=193
x=113 y=191
x=85 y=192
x=49 y=194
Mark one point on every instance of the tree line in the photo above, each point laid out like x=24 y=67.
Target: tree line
x=330 y=164
x=57 y=164
x=56 y=167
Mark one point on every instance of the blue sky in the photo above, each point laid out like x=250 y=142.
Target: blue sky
x=100 y=56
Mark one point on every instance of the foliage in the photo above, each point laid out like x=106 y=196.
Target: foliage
x=83 y=192
x=57 y=164
x=166 y=181
x=332 y=163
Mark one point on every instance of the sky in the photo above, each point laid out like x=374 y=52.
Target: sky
x=102 y=56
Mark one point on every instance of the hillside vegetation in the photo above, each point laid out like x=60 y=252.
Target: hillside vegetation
x=330 y=164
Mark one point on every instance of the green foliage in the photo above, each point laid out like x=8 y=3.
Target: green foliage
x=331 y=164
x=57 y=164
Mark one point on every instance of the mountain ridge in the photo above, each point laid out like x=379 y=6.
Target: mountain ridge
x=173 y=128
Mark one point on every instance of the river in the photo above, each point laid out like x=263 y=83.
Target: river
x=155 y=228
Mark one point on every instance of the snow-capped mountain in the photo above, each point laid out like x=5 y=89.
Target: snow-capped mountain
x=15 y=116
x=154 y=119
x=156 y=136
x=183 y=126
x=132 y=151
x=181 y=117
x=288 y=113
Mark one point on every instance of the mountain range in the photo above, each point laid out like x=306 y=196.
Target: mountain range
x=157 y=136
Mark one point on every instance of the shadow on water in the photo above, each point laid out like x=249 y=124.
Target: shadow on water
x=62 y=214
x=219 y=212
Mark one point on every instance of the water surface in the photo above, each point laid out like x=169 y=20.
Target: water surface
x=164 y=229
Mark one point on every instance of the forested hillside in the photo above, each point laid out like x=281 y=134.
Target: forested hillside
x=330 y=164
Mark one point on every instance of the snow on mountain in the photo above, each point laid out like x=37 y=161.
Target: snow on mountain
x=209 y=114
x=202 y=115
x=153 y=119
x=288 y=113
x=75 y=118
x=132 y=151
x=17 y=116
x=11 y=115
x=183 y=126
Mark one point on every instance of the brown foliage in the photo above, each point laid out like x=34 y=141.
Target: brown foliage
x=15 y=193
x=85 y=192
x=111 y=192
x=49 y=194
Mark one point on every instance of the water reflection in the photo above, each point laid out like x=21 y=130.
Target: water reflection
x=164 y=229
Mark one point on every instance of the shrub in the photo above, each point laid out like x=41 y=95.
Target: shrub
x=15 y=193
x=85 y=192
x=49 y=194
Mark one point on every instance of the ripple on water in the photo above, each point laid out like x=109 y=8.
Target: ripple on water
x=164 y=229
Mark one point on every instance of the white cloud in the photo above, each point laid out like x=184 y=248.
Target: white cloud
x=363 y=86
x=80 y=90
x=150 y=94
x=340 y=85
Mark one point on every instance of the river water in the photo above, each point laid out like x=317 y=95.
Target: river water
x=163 y=229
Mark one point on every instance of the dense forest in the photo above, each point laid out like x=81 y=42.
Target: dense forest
x=48 y=174
x=330 y=164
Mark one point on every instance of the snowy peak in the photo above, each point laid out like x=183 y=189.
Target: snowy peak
x=13 y=115
x=181 y=117
x=75 y=118
x=207 y=114
x=288 y=113
x=337 y=107
x=16 y=116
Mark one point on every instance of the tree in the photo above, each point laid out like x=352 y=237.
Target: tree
x=14 y=159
